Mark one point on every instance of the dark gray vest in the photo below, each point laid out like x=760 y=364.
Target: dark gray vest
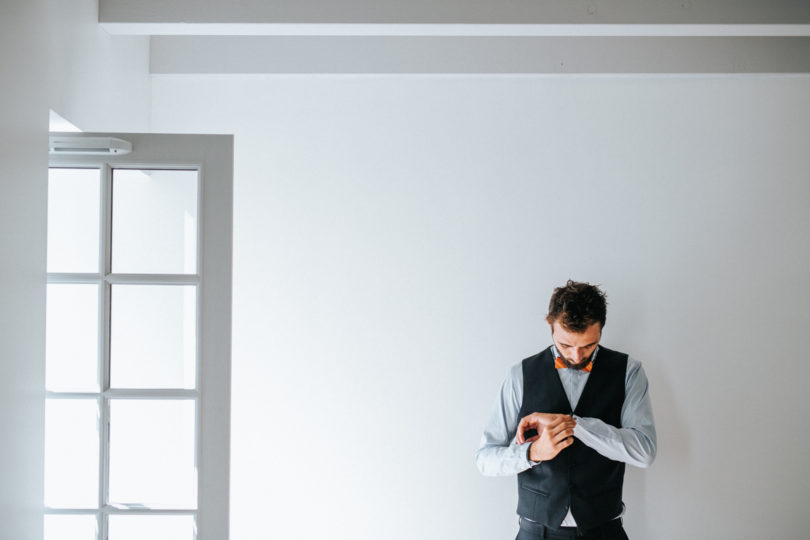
x=578 y=478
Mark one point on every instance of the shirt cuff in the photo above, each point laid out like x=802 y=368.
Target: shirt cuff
x=582 y=425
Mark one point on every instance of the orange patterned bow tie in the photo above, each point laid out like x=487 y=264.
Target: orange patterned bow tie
x=559 y=364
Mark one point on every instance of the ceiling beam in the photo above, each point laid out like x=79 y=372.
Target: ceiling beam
x=481 y=30
x=467 y=36
x=429 y=12
x=488 y=55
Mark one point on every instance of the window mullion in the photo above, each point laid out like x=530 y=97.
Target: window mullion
x=153 y=279
x=61 y=277
x=104 y=464
x=105 y=259
x=152 y=393
x=198 y=450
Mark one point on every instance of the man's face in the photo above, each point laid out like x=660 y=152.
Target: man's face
x=576 y=348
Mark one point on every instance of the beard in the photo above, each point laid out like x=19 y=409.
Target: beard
x=574 y=365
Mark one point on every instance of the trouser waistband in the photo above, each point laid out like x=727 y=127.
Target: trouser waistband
x=539 y=530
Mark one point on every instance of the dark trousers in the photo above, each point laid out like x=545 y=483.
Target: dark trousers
x=530 y=530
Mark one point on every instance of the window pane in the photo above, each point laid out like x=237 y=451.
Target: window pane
x=153 y=341
x=154 y=222
x=152 y=461
x=70 y=527
x=72 y=338
x=73 y=220
x=71 y=453
x=151 y=527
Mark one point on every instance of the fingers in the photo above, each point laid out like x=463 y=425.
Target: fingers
x=548 y=446
x=565 y=443
x=560 y=419
x=521 y=434
x=541 y=422
x=561 y=431
x=526 y=423
x=568 y=423
x=530 y=421
x=560 y=436
x=520 y=429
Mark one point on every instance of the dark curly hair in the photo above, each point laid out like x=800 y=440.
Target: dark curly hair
x=577 y=306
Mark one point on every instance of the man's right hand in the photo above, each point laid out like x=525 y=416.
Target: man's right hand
x=555 y=432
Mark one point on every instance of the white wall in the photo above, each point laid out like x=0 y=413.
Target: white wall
x=396 y=241
x=23 y=173
x=52 y=55
x=99 y=82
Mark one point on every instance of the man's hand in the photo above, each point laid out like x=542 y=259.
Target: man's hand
x=539 y=421
x=554 y=433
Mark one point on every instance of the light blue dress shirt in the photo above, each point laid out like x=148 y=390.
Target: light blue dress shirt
x=634 y=443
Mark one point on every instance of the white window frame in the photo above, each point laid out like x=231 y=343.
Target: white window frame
x=212 y=156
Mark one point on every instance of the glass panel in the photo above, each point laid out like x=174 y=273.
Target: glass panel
x=72 y=338
x=153 y=341
x=73 y=220
x=151 y=527
x=154 y=227
x=71 y=453
x=152 y=458
x=70 y=527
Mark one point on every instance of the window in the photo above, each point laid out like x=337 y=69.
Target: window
x=138 y=339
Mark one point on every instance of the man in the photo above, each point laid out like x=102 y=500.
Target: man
x=566 y=421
